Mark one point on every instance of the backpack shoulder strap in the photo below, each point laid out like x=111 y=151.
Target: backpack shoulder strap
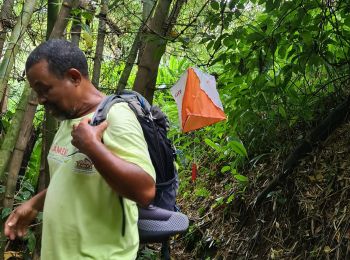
x=104 y=107
x=136 y=102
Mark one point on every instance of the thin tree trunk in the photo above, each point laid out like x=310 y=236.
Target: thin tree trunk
x=147 y=11
x=14 y=44
x=75 y=32
x=123 y=80
x=52 y=15
x=12 y=133
x=17 y=156
x=3 y=102
x=61 y=24
x=8 y=146
x=5 y=17
x=146 y=25
x=5 y=26
x=154 y=49
x=100 y=43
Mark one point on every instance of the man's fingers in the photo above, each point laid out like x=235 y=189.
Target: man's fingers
x=10 y=226
x=12 y=236
x=12 y=220
x=22 y=231
x=102 y=126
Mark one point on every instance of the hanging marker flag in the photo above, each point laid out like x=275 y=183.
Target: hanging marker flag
x=198 y=100
x=194 y=171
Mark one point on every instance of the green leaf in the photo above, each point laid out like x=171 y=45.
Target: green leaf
x=213 y=145
x=230 y=198
x=86 y=28
x=210 y=44
x=88 y=39
x=215 y=5
x=238 y=147
x=229 y=41
x=26 y=195
x=269 y=5
x=31 y=241
x=307 y=38
x=217 y=44
x=28 y=186
x=255 y=36
x=39 y=217
x=225 y=168
x=87 y=15
x=282 y=112
x=241 y=178
x=202 y=192
x=5 y=212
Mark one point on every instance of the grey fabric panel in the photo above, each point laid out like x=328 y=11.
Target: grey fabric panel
x=177 y=223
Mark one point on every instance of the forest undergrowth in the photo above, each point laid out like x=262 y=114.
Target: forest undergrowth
x=306 y=217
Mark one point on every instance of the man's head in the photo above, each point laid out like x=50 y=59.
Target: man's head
x=57 y=70
x=61 y=55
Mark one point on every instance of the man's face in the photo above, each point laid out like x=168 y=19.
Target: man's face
x=58 y=95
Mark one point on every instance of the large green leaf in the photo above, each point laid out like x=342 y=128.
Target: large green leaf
x=213 y=145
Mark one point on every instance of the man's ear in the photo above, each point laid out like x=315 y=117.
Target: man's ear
x=74 y=75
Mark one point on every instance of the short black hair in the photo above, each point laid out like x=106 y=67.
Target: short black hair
x=61 y=55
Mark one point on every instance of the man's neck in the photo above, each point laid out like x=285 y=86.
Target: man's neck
x=90 y=99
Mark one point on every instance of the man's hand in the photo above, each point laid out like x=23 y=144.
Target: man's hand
x=19 y=220
x=85 y=135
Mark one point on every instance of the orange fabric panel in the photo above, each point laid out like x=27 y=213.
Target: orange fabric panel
x=198 y=110
x=195 y=122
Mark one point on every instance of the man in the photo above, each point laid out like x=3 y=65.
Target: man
x=91 y=168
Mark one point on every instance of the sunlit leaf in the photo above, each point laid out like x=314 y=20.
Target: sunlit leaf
x=238 y=147
x=241 y=178
x=225 y=168
x=212 y=145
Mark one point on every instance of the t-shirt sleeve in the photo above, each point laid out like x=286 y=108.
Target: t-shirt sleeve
x=124 y=137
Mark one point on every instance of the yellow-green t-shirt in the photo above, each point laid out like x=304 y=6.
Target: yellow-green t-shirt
x=82 y=215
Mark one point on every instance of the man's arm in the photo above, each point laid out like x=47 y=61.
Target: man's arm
x=19 y=220
x=127 y=179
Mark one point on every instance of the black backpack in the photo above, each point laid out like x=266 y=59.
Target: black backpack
x=160 y=220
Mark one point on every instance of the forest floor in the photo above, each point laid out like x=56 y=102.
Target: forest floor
x=306 y=217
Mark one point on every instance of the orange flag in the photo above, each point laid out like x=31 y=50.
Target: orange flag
x=198 y=100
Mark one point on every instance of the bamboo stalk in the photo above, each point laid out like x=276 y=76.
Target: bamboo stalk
x=11 y=136
x=17 y=156
x=100 y=43
x=14 y=43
